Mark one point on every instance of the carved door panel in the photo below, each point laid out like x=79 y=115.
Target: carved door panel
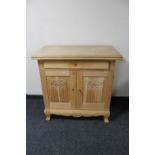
x=93 y=89
x=61 y=86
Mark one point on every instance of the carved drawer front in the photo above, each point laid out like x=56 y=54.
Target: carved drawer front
x=77 y=64
x=61 y=88
x=93 y=89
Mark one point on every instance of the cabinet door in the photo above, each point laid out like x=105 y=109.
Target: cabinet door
x=94 y=89
x=61 y=85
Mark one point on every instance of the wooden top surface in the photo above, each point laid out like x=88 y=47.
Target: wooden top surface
x=77 y=52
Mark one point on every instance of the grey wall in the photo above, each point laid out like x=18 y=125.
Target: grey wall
x=78 y=22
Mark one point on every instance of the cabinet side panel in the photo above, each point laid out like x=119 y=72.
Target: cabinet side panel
x=109 y=82
x=44 y=87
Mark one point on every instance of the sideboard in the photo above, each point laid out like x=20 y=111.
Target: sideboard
x=77 y=79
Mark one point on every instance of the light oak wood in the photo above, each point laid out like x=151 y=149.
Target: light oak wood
x=61 y=86
x=47 y=118
x=77 y=52
x=106 y=120
x=77 y=65
x=77 y=80
x=92 y=89
x=44 y=88
x=78 y=113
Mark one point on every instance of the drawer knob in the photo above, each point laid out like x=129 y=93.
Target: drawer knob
x=75 y=64
x=73 y=89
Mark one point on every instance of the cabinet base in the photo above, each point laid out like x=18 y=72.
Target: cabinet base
x=79 y=113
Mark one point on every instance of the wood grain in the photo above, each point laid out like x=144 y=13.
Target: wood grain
x=93 y=89
x=77 y=65
x=44 y=88
x=77 y=52
x=78 y=113
x=61 y=86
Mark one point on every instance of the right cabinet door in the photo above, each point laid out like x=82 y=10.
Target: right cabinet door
x=94 y=89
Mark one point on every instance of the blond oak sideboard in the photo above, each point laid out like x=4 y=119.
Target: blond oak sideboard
x=77 y=80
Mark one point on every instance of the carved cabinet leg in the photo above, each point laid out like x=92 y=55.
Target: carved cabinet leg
x=47 y=118
x=106 y=119
x=47 y=114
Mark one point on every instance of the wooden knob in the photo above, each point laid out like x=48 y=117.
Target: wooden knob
x=73 y=89
x=80 y=91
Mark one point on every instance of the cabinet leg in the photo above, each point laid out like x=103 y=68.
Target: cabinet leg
x=106 y=120
x=47 y=118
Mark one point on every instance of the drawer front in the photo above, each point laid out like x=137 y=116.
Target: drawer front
x=77 y=64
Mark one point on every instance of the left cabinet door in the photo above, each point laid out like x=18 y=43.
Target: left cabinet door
x=61 y=88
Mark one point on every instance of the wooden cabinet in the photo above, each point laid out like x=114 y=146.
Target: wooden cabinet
x=77 y=80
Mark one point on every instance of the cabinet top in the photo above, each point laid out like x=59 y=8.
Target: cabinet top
x=77 y=52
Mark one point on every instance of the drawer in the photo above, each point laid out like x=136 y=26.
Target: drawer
x=77 y=64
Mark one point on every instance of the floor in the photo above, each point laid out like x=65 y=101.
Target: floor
x=77 y=136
